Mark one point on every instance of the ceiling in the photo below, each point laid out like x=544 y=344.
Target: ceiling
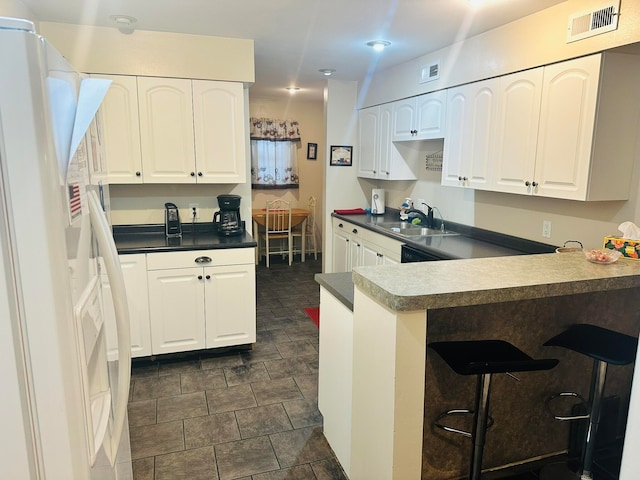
x=296 y=38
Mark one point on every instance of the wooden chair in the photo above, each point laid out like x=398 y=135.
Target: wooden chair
x=278 y=227
x=310 y=229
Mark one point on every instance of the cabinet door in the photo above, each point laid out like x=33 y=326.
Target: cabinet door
x=370 y=255
x=166 y=130
x=516 y=132
x=368 y=141
x=404 y=119
x=355 y=252
x=176 y=307
x=134 y=271
x=483 y=102
x=230 y=305
x=390 y=260
x=568 y=112
x=219 y=126
x=119 y=121
x=341 y=252
x=390 y=166
x=430 y=113
x=468 y=145
x=454 y=140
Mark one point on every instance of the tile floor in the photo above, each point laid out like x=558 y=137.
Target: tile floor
x=249 y=415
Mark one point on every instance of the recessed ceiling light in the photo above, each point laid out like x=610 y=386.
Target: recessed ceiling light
x=293 y=90
x=327 y=72
x=124 y=23
x=378 y=45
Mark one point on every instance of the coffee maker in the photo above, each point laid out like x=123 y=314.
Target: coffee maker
x=227 y=220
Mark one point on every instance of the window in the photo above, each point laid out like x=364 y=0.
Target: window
x=274 y=153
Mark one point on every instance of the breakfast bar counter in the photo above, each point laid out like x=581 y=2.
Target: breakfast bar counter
x=398 y=388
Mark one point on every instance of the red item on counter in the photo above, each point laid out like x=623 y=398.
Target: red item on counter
x=353 y=211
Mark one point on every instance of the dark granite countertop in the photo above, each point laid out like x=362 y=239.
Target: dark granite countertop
x=151 y=239
x=339 y=284
x=471 y=243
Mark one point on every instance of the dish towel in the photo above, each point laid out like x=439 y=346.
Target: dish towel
x=353 y=211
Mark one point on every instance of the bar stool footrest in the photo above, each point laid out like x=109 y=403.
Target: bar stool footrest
x=565 y=418
x=457 y=411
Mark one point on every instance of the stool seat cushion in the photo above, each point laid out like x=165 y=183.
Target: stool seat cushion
x=478 y=357
x=598 y=343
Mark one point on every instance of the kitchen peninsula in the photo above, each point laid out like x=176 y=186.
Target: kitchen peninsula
x=398 y=387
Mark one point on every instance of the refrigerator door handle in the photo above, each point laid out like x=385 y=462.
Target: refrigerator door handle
x=114 y=272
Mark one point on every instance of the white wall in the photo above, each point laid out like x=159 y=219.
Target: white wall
x=16 y=9
x=531 y=41
x=161 y=54
x=341 y=183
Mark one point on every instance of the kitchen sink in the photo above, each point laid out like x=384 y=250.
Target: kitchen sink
x=410 y=230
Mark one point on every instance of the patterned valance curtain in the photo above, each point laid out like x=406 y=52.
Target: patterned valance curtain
x=274 y=153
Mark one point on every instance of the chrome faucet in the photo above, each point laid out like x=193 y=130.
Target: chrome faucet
x=442 y=229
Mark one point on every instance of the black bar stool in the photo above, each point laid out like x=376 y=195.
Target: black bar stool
x=483 y=358
x=605 y=347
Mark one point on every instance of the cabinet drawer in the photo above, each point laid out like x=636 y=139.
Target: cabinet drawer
x=231 y=256
x=346 y=227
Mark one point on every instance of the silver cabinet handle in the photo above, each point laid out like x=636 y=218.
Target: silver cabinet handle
x=203 y=260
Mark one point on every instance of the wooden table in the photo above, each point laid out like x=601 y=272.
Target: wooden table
x=298 y=216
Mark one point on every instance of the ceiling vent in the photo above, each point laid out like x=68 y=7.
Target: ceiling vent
x=593 y=22
x=430 y=72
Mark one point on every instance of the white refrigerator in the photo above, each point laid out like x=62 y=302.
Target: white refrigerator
x=63 y=400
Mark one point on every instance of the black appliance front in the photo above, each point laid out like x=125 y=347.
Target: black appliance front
x=409 y=254
x=227 y=220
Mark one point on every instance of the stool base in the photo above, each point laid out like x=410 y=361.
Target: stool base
x=559 y=471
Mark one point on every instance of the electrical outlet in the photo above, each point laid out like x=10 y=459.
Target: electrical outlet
x=546 y=229
x=195 y=210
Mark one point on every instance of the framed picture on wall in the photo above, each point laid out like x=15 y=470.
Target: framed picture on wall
x=312 y=151
x=341 y=156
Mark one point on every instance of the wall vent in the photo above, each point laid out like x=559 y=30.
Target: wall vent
x=430 y=72
x=593 y=22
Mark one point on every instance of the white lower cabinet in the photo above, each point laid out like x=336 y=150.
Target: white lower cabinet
x=355 y=246
x=230 y=305
x=134 y=271
x=201 y=299
x=347 y=246
x=384 y=252
x=176 y=305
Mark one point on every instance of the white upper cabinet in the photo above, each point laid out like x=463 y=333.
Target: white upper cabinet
x=368 y=140
x=171 y=130
x=119 y=121
x=566 y=130
x=166 y=130
x=219 y=125
x=420 y=118
x=378 y=157
x=470 y=119
x=588 y=127
x=516 y=133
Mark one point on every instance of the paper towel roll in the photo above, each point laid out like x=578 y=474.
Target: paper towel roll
x=377 y=201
